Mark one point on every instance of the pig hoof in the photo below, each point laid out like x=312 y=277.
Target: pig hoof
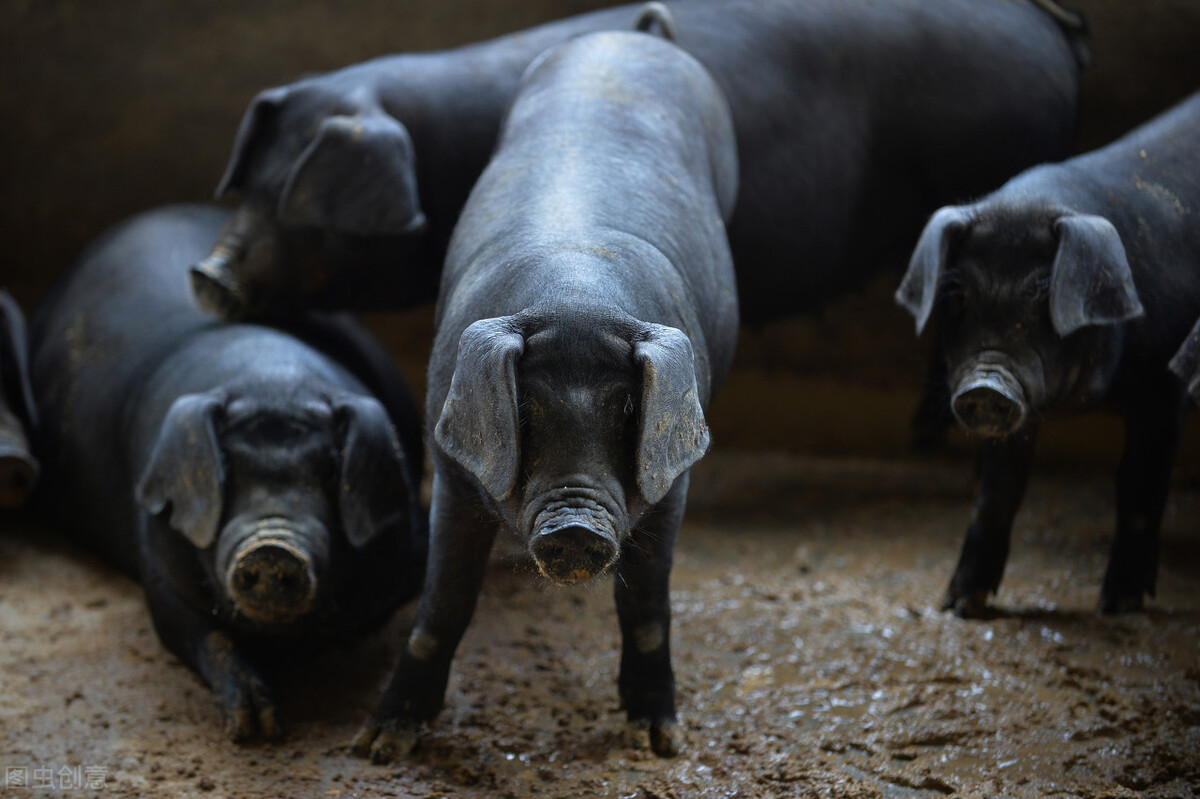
x=666 y=738
x=971 y=605
x=268 y=725
x=385 y=742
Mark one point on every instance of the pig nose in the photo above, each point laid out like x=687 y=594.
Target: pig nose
x=215 y=287
x=573 y=553
x=271 y=580
x=990 y=401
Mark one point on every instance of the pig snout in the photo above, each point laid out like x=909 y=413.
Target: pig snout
x=271 y=573
x=572 y=543
x=214 y=284
x=989 y=400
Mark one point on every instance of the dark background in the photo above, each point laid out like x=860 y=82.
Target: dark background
x=111 y=107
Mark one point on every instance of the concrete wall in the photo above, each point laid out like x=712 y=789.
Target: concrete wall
x=112 y=106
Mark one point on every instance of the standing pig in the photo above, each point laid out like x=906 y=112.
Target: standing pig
x=1186 y=363
x=18 y=468
x=251 y=478
x=1068 y=289
x=855 y=120
x=587 y=314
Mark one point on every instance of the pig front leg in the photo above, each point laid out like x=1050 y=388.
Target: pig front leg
x=242 y=697
x=1143 y=481
x=460 y=538
x=642 y=590
x=1003 y=475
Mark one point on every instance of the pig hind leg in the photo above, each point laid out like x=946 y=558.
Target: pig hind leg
x=642 y=591
x=1004 y=466
x=1143 y=480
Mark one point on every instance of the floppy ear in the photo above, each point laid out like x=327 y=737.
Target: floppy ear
x=358 y=177
x=1186 y=363
x=262 y=110
x=14 y=361
x=672 y=434
x=479 y=425
x=918 y=289
x=374 y=489
x=1090 y=281
x=186 y=473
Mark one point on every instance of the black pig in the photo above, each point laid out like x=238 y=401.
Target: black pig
x=251 y=478
x=1068 y=289
x=855 y=119
x=18 y=467
x=587 y=314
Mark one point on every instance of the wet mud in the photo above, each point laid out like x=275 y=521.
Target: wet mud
x=810 y=657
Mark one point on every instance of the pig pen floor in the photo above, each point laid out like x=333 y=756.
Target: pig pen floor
x=810 y=656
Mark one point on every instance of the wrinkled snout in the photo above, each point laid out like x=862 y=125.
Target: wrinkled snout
x=990 y=401
x=214 y=284
x=572 y=545
x=271 y=577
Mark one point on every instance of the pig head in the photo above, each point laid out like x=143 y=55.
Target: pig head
x=18 y=467
x=324 y=173
x=275 y=487
x=1030 y=304
x=572 y=426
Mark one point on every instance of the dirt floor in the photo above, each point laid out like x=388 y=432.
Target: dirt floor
x=810 y=656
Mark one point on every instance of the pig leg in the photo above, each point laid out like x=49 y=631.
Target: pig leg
x=461 y=535
x=242 y=698
x=642 y=590
x=1143 y=480
x=1003 y=475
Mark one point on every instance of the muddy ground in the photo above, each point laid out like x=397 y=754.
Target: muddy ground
x=810 y=656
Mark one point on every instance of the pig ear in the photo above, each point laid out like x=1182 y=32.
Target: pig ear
x=918 y=289
x=262 y=110
x=14 y=360
x=479 y=424
x=186 y=474
x=374 y=489
x=1186 y=363
x=357 y=177
x=1090 y=281
x=672 y=433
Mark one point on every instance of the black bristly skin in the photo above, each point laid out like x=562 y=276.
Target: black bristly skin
x=260 y=482
x=587 y=314
x=845 y=147
x=1066 y=290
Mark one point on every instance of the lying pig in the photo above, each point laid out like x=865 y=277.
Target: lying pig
x=587 y=314
x=855 y=120
x=261 y=483
x=1186 y=363
x=1068 y=289
x=18 y=468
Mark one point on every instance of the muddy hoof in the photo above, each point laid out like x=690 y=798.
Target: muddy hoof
x=971 y=605
x=664 y=739
x=386 y=741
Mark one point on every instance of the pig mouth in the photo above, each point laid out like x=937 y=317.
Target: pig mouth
x=990 y=400
x=573 y=541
